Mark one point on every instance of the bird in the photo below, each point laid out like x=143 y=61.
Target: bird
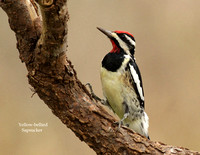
x=122 y=82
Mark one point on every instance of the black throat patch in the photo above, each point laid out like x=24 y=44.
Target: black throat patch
x=113 y=61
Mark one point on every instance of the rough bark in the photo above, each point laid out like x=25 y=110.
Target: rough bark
x=42 y=47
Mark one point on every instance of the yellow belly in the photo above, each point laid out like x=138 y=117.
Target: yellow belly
x=112 y=89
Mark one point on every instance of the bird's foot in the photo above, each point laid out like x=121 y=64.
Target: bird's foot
x=120 y=123
x=94 y=95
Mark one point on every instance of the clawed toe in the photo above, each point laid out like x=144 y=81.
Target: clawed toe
x=119 y=123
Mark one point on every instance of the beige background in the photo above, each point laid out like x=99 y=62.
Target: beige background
x=168 y=54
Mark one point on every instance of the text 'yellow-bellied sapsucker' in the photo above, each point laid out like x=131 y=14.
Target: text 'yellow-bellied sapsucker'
x=122 y=83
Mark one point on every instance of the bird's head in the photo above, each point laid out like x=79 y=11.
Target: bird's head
x=121 y=41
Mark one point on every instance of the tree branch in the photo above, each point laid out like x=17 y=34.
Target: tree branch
x=54 y=32
x=42 y=46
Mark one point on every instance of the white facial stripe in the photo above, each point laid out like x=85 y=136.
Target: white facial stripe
x=121 y=43
x=130 y=40
x=126 y=60
x=137 y=81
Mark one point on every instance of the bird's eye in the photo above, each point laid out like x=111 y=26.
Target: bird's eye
x=123 y=36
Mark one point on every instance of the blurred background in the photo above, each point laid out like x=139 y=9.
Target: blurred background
x=168 y=54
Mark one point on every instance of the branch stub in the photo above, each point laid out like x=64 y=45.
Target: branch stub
x=45 y=3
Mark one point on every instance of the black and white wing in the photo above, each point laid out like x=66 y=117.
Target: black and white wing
x=137 y=81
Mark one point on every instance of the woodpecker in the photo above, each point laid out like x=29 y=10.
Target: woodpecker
x=122 y=83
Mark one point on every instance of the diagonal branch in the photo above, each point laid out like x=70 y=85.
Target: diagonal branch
x=42 y=46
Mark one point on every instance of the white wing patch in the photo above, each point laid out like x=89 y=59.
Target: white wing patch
x=137 y=81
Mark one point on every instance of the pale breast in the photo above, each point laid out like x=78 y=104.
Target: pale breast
x=118 y=90
x=112 y=90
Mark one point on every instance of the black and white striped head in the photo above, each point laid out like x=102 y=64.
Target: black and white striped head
x=121 y=41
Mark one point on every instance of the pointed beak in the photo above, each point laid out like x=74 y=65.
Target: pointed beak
x=106 y=32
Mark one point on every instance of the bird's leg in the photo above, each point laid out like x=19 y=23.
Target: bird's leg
x=95 y=96
x=121 y=121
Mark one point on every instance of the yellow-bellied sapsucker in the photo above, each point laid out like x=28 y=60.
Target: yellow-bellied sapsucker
x=122 y=83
